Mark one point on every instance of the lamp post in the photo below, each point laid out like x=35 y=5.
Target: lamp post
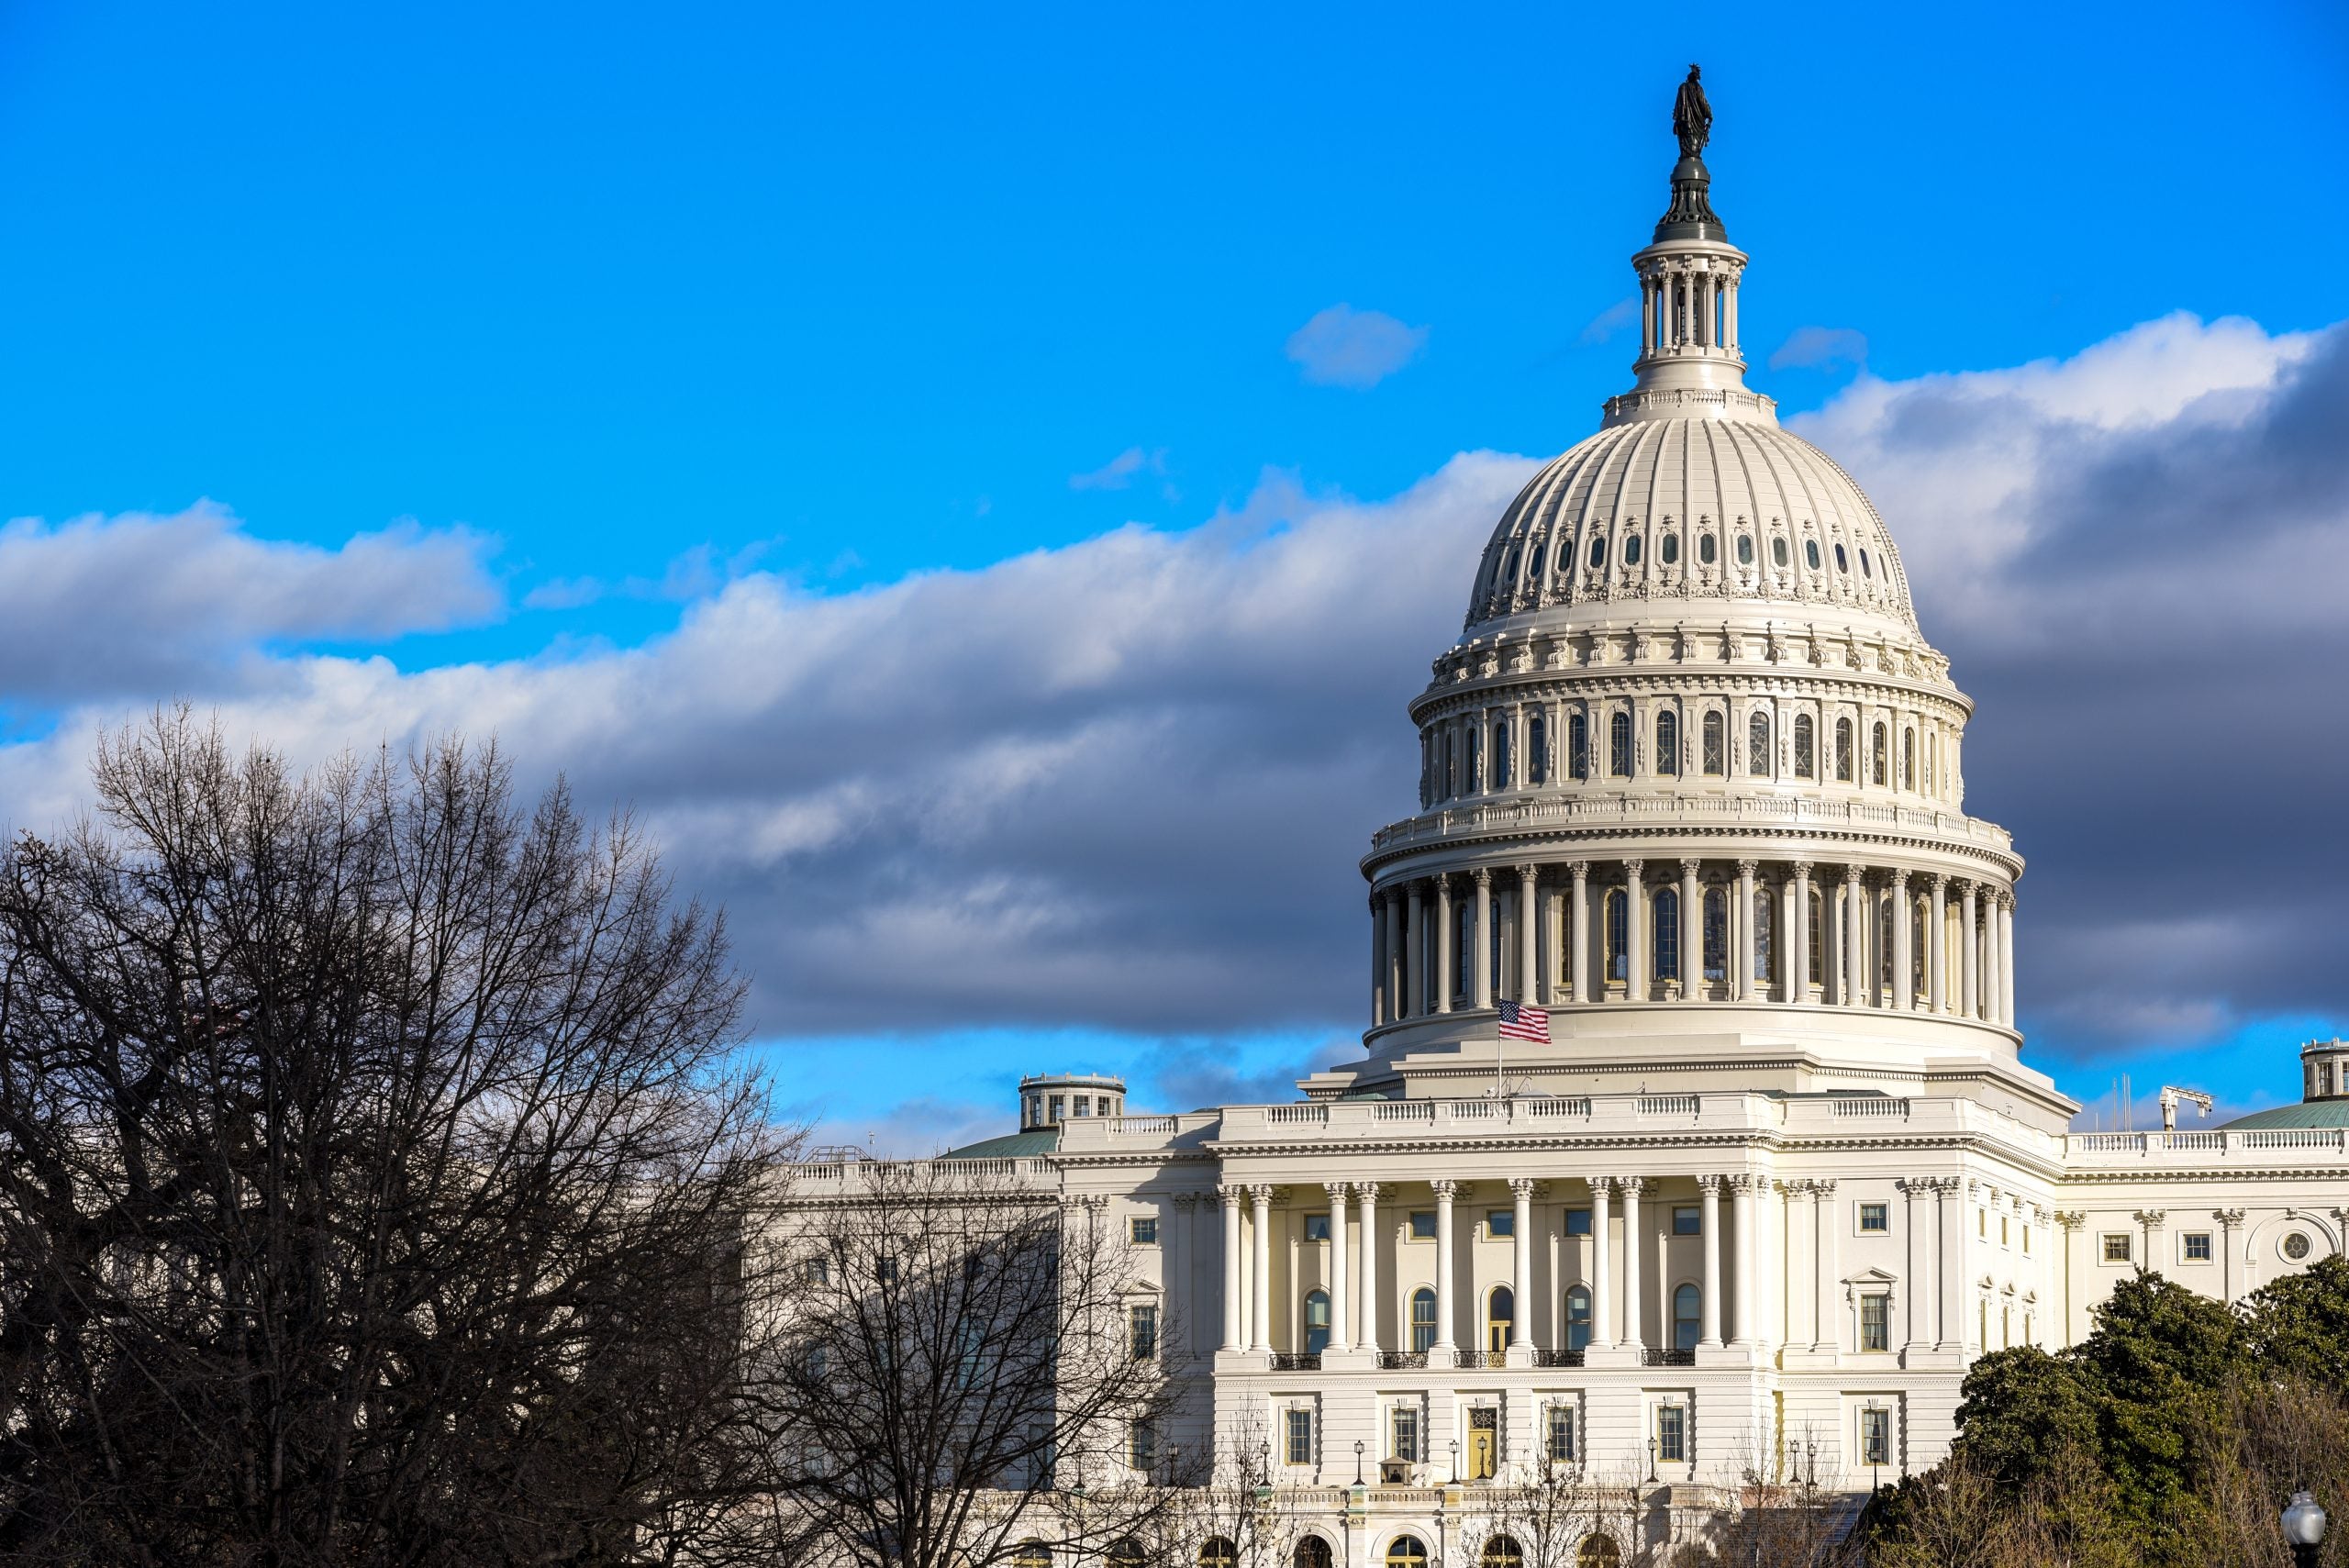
x=1359 y=1446
x=1652 y=1453
x=2304 y=1529
x=1455 y=1462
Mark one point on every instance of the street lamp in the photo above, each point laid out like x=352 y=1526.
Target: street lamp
x=1455 y=1462
x=1358 y=1448
x=2304 y=1527
x=1652 y=1453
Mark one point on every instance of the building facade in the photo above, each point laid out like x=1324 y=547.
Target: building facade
x=1692 y=783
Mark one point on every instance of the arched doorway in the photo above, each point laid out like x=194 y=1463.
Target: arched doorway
x=1406 y=1551
x=1598 y=1551
x=1500 y=1313
x=1219 y=1553
x=1312 y=1552
x=1501 y=1551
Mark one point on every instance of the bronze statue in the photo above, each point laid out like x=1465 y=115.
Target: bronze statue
x=1692 y=117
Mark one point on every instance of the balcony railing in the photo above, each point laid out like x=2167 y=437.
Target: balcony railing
x=1297 y=1360
x=1482 y=1357
x=1667 y=1358
x=1393 y=1361
x=1557 y=1357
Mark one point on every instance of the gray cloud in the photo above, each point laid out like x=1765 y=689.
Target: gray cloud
x=97 y=606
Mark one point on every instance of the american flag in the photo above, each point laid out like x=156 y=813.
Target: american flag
x=1521 y=1022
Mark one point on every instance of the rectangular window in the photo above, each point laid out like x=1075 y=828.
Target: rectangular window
x=1101 y=1105
x=1058 y=1101
x=2002 y=1230
x=1141 y=1331
x=1560 y=1427
x=887 y=1270
x=1142 y=1447
x=820 y=1270
x=1423 y=1225
x=1500 y=1222
x=1142 y=1230
x=2026 y=1240
x=1982 y=1223
x=1298 y=1448
x=1671 y=1432
x=1876 y=1218
x=1082 y=1106
x=1688 y=1221
x=1875 y=1328
x=1403 y=1435
x=1875 y=1437
x=2197 y=1246
x=1577 y=1222
x=2116 y=1246
x=1316 y=1227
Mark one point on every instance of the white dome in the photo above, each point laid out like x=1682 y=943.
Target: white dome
x=1689 y=509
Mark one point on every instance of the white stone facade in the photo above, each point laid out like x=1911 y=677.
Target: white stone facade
x=1691 y=780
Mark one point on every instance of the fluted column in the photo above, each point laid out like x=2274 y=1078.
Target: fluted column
x=1823 y=1334
x=1636 y=934
x=1443 y=966
x=1578 y=939
x=1261 y=1260
x=1692 y=932
x=1602 y=1271
x=1521 y=1323
x=1366 y=1199
x=1415 y=964
x=1393 y=955
x=1921 y=1254
x=1904 y=940
x=1990 y=992
x=1746 y=1259
x=2007 y=959
x=1481 y=962
x=1969 y=956
x=1950 y=1268
x=1798 y=956
x=1377 y=959
x=1708 y=1187
x=1854 y=943
x=1937 y=947
x=1529 y=945
x=1749 y=964
x=1230 y=1196
x=1634 y=1244
x=1444 y=1303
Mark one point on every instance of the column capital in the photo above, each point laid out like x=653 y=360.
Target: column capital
x=1601 y=1186
x=1525 y=1187
x=2007 y=899
x=2071 y=1219
x=1483 y=875
x=1442 y=881
x=1579 y=870
x=2230 y=1218
x=1232 y=1194
x=1941 y=882
x=1691 y=867
x=1528 y=870
x=1186 y=1202
x=2152 y=1216
x=1337 y=1190
x=1632 y=870
x=1801 y=870
x=1747 y=868
x=1854 y=872
x=1824 y=1188
x=1899 y=877
x=1711 y=1180
x=1372 y=1192
x=1631 y=1186
x=1262 y=1193
x=1445 y=1188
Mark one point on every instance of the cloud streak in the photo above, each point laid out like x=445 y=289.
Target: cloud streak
x=1354 y=349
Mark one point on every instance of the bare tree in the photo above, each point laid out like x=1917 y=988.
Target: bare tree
x=374 y=1175
x=969 y=1372
x=1541 y=1519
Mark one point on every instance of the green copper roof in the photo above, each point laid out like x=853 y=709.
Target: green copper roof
x=2309 y=1113
x=1010 y=1146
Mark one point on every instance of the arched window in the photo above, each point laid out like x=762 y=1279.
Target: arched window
x=1908 y=758
x=1451 y=782
x=1032 y=1554
x=1311 y=1552
x=1765 y=951
x=1704 y=551
x=1577 y=746
x=1778 y=551
x=1757 y=746
x=1405 y=1552
x=1219 y=1553
x=1804 y=751
x=1866 y=570
x=1810 y=553
x=1534 y=567
x=1920 y=931
x=1475 y=737
x=1127 y=1553
x=1843 y=561
x=1877 y=752
x=1502 y=773
x=1883 y=948
x=1509 y=571
x=1716 y=933
x=1597 y=1552
x=1667 y=742
x=1745 y=550
x=1598 y=551
x=1618 y=745
x=1684 y=1318
x=1843 y=751
x=1667 y=934
x=1463 y=944
x=1500 y=1311
x=1715 y=763
x=1670 y=549
x=1423 y=1319
x=1316 y=1321
x=1427 y=770
x=1578 y=1319
x=1631 y=550
x=1501 y=1551
x=1537 y=750
x=1617 y=936
x=1816 y=937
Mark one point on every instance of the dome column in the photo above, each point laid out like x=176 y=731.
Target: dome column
x=1393 y=960
x=1990 y=990
x=1341 y=1336
x=1904 y=985
x=1749 y=965
x=2007 y=959
x=1481 y=968
x=1415 y=957
x=1635 y=935
x=1937 y=947
x=1260 y=1197
x=1634 y=1243
x=1444 y=1305
x=1380 y=1005
x=1969 y=955
x=1797 y=964
x=1529 y=944
x=1855 y=952
x=1602 y=1283
x=1578 y=939
x=1443 y=970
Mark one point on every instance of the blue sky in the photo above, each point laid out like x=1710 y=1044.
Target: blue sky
x=641 y=320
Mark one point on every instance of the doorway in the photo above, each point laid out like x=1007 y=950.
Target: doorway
x=1484 y=1441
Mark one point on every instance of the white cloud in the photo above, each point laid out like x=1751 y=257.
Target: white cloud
x=1120 y=471
x=1345 y=347
x=1624 y=312
x=1822 y=346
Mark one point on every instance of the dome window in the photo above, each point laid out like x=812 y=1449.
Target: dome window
x=1509 y=573
x=1878 y=769
x=1667 y=742
x=1705 y=548
x=1534 y=567
x=1843 y=561
x=1757 y=745
x=1778 y=551
x=1598 y=551
x=1805 y=752
x=1745 y=550
x=1537 y=750
x=1619 y=746
x=1865 y=568
x=1810 y=553
x=1631 y=550
x=1843 y=751
x=1577 y=746
x=1712 y=744
x=1670 y=549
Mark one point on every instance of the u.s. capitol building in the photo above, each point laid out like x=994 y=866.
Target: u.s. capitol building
x=1691 y=780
